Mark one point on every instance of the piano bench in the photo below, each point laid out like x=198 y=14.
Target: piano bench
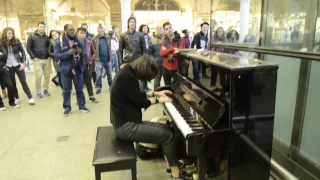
x=113 y=154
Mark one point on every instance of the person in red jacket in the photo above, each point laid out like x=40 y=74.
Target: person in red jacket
x=169 y=49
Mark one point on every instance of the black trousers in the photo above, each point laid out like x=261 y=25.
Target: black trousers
x=6 y=80
x=202 y=68
x=87 y=75
x=168 y=75
x=3 y=86
x=22 y=78
x=150 y=132
x=214 y=76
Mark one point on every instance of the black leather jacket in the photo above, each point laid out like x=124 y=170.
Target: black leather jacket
x=3 y=56
x=18 y=52
x=38 y=46
x=131 y=46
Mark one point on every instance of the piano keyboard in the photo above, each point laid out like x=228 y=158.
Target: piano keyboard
x=186 y=123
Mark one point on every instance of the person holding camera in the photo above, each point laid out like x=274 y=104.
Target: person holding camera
x=71 y=52
x=169 y=51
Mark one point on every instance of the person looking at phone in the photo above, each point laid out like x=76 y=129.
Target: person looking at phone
x=71 y=52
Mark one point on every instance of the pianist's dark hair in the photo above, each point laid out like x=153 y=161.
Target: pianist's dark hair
x=145 y=67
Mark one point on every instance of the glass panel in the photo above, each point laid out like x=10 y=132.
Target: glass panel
x=242 y=16
x=286 y=23
x=310 y=147
x=317 y=34
x=288 y=76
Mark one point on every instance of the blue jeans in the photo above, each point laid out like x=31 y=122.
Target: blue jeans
x=67 y=86
x=99 y=68
x=115 y=63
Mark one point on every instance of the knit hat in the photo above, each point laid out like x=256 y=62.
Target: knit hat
x=131 y=17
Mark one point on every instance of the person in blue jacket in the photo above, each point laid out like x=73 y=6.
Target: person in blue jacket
x=70 y=51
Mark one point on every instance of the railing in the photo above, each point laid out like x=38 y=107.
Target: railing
x=272 y=51
x=275 y=168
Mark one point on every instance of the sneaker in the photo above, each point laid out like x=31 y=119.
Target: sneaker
x=2 y=108
x=17 y=101
x=94 y=100
x=85 y=110
x=98 y=91
x=180 y=165
x=15 y=105
x=31 y=101
x=67 y=113
x=45 y=92
x=39 y=95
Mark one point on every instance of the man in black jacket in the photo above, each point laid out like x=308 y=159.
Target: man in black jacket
x=131 y=44
x=38 y=49
x=200 y=41
x=5 y=79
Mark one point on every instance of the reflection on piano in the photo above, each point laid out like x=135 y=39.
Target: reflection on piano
x=206 y=121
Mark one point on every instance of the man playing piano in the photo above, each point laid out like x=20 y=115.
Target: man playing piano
x=126 y=102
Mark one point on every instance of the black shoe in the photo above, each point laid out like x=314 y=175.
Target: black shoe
x=55 y=82
x=98 y=91
x=94 y=100
x=85 y=110
x=205 y=76
x=67 y=113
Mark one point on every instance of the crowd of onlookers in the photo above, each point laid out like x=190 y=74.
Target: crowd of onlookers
x=83 y=59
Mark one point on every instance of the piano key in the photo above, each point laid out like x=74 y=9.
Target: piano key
x=178 y=119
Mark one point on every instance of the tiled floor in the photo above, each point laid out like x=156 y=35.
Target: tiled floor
x=29 y=149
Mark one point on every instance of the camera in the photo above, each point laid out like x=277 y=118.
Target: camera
x=176 y=35
x=75 y=46
x=171 y=59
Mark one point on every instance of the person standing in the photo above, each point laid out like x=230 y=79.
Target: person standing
x=70 y=51
x=54 y=35
x=15 y=63
x=114 y=50
x=38 y=49
x=89 y=35
x=169 y=51
x=103 y=57
x=200 y=41
x=87 y=62
x=131 y=44
x=156 y=45
x=5 y=79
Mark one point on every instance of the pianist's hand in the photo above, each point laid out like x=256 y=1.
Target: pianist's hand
x=163 y=93
x=164 y=99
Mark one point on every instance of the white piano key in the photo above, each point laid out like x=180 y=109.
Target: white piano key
x=178 y=119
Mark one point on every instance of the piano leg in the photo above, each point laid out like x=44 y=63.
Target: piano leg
x=202 y=169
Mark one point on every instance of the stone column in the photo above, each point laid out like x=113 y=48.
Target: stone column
x=244 y=18
x=125 y=13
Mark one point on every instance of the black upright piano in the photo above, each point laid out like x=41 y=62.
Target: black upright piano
x=216 y=123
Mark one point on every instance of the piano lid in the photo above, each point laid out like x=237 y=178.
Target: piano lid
x=226 y=61
x=190 y=95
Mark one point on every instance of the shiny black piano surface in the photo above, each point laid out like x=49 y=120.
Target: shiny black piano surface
x=244 y=104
